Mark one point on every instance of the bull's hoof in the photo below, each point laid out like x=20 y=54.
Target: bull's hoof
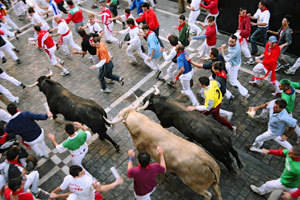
x=117 y=147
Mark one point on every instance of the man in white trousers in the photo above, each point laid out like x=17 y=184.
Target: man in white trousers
x=185 y=74
x=75 y=143
x=6 y=47
x=233 y=63
x=52 y=9
x=23 y=124
x=66 y=36
x=7 y=18
x=281 y=125
x=134 y=44
x=37 y=20
x=292 y=70
x=108 y=25
x=194 y=13
x=5 y=91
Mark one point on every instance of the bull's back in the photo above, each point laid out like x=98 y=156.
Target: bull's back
x=190 y=162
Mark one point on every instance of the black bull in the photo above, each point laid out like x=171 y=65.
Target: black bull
x=196 y=126
x=74 y=108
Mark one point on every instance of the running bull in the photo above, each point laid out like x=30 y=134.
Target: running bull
x=191 y=163
x=196 y=126
x=73 y=107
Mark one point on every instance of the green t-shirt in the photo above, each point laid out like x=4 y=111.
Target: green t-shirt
x=290 y=98
x=76 y=142
x=184 y=35
x=290 y=177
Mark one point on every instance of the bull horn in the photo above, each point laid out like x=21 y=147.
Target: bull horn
x=156 y=90
x=49 y=74
x=143 y=107
x=113 y=122
x=32 y=85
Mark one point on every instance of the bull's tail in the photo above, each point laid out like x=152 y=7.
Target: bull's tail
x=215 y=185
x=235 y=154
x=217 y=191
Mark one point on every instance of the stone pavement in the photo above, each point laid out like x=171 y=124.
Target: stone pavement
x=102 y=156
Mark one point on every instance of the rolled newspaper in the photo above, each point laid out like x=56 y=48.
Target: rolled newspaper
x=256 y=149
x=251 y=113
x=46 y=107
x=115 y=172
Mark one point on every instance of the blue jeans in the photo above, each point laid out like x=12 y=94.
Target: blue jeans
x=259 y=31
x=106 y=72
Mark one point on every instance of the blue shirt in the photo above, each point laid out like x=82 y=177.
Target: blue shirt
x=182 y=62
x=234 y=55
x=137 y=4
x=153 y=43
x=279 y=121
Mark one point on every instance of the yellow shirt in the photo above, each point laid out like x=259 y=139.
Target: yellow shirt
x=213 y=93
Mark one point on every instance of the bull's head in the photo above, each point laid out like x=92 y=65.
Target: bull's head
x=41 y=80
x=149 y=100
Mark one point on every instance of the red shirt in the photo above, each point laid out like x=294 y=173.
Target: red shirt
x=244 y=26
x=74 y=15
x=271 y=56
x=150 y=18
x=296 y=193
x=211 y=35
x=212 y=6
x=58 y=1
x=20 y=194
x=145 y=178
x=45 y=41
x=105 y=16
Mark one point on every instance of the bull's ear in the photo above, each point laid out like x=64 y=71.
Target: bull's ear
x=49 y=81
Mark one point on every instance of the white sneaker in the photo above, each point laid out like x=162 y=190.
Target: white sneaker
x=289 y=72
x=255 y=189
x=106 y=90
x=17 y=100
x=65 y=72
x=229 y=117
x=62 y=62
x=234 y=130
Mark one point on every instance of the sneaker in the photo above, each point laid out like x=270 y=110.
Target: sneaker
x=41 y=194
x=23 y=86
x=255 y=189
x=62 y=62
x=18 y=61
x=4 y=60
x=17 y=100
x=106 y=90
x=16 y=50
x=171 y=84
x=117 y=147
x=132 y=62
x=230 y=101
x=109 y=81
x=120 y=44
x=250 y=61
x=108 y=41
x=65 y=72
x=121 y=81
x=158 y=74
x=253 y=83
x=286 y=71
x=229 y=117
x=16 y=36
x=234 y=130
x=279 y=67
x=18 y=32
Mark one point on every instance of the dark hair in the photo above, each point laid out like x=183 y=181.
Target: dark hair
x=146 y=5
x=69 y=128
x=281 y=103
x=296 y=149
x=127 y=10
x=37 y=28
x=180 y=47
x=30 y=10
x=214 y=52
x=218 y=66
x=12 y=108
x=233 y=37
x=75 y=170
x=242 y=8
x=264 y=3
x=144 y=159
x=288 y=18
x=182 y=17
x=15 y=183
x=82 y=32
x=97 y=39
x=145 y=27
x=173 y=39
x=204 y=80
x=70 y=2
x=210 y=18
x=130 y=21
x=12 y=153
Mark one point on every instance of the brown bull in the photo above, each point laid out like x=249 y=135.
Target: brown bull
x=187 y=160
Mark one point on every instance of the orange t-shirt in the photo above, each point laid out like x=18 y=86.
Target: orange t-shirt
x=102 y=53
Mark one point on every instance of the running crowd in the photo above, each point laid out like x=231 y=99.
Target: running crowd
x=19 y=178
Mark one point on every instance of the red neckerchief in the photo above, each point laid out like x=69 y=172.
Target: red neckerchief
x=139 y=166
x=72 y=6
x=15 y=162
x=3 y=138
x=181 y=26
x=127 y=15
x=179 y=52
x=132 y=27
x=149 y=32
x=221 y=74
x=262 y=10
x=61 y=20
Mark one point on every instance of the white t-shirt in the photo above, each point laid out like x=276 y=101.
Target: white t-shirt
x=196 y=5
x=81 y=186
x=36 y=19
x=94 y=28
x=62 y=28
x=262 y=17
x=124 y=19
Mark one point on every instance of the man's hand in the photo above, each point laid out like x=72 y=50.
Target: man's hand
x=131 y=153
x=51 y=136
x=249 y=14
x=162 y=50
x=265 y=151
x=53 y=195
x=190 y=108
x=149 y=58
x=116 y=32
x=286 y=196
x=159 y=150
x=74 y=52
x=187 y=58
x=175 y=27
x=283 y=137
x=223 y=46
x=50 y=115
x=253 y=24
x=119 y=181
x=77 y=124
x=258 y=60
x=93 y=67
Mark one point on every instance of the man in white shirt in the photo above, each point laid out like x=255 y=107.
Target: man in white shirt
x=194 y=13
x=52 y=9
x=66 y=36
x=262 y=16
x=92 y=25
x=82 y=186
x=37 y=20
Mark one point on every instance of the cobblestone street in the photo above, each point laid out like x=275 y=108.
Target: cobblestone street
x=138 y=79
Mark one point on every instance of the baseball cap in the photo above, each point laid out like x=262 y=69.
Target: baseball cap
x=272 y=39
